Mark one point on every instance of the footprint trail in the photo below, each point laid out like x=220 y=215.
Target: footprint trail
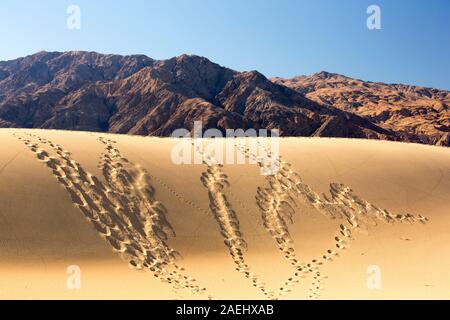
x=122 y=209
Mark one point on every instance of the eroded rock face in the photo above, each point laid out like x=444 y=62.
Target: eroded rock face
x=139 y=95
x=415 y=113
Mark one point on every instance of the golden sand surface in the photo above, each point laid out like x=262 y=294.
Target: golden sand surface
x=338 y=214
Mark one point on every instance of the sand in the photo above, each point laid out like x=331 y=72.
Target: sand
x=341 y=219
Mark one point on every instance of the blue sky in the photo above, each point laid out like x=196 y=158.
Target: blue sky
x=278 y=38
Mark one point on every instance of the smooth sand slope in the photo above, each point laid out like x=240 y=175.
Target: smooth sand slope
x=139 y=226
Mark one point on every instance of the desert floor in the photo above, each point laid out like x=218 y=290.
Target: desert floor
x=89 y=215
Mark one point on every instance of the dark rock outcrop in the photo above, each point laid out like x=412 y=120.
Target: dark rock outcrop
x=138 y=95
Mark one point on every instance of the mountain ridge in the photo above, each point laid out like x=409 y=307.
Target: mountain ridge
x=413 y=110
x=135 y=94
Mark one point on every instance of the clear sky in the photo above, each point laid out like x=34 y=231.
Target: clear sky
x=278 y=38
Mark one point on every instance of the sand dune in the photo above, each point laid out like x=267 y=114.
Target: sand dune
x=139 y=226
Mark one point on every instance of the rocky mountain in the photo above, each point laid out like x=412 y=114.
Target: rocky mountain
x=415 y=113
x=138 y=95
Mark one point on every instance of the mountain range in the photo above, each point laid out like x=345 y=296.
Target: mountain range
x=138 y=95
x=419 y=113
